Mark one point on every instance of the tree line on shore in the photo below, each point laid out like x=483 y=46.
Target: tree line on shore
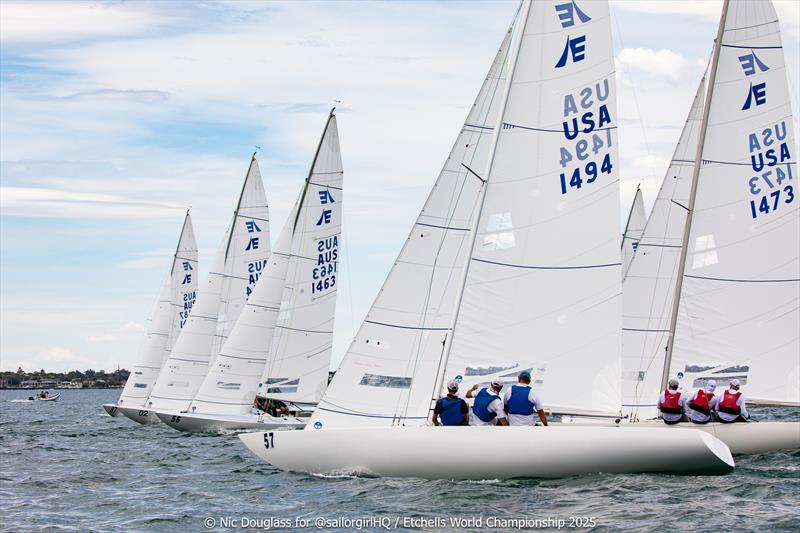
x=87 y=379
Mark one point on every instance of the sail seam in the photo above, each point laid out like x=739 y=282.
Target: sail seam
x=537 y=267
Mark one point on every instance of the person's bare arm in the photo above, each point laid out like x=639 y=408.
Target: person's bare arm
x=502 y=421
x=435 y=419
x=542 y=416
x=469 y=392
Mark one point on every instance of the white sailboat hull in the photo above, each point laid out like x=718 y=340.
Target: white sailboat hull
x=461 y=452
x=111 y=409
x=745 y=438
x=210 y=423
x=140 y=415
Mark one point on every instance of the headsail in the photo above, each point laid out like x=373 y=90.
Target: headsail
x=172 y=309
x=543 y=290
x=237 y=266
x=739 y=303
x=633 y=231
x=388 y=372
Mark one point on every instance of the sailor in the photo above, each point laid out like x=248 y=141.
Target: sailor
x=451 y=410
x=672 y=404
x=277 y=408
x=702 y=402
x=487 y=409
x=732 y=407
x=521 y=402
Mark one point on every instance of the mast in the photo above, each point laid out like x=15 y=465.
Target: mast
x=676 y=297
x=238 y=205
x=482 y=197
x=311 y=170
x=180 y=238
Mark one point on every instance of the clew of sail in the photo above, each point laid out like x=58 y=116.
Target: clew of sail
x=166 y=321
x=739 y=296
x=634 y=228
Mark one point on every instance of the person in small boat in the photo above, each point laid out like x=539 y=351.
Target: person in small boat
x=44 y=394
x=702 y=402
x=451 y=410
x=732 y=406
x=487 y=409
x=277 y=408
x=672 y=404
x=521 y=402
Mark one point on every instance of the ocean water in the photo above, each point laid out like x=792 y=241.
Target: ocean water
x=68 y=466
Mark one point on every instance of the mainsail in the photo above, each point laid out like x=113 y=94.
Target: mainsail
x=738 y=311
x=637 y=218
x=286 y=327
x=650 y=282
x=236 y=268
x=174 y=304
x=387 y=374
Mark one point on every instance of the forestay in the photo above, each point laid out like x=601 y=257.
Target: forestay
x=175 y=302
x=637 y=218
x=739 y=308
x=543 y=288
x=237 y=266
x=650 y=282
x=388 y=373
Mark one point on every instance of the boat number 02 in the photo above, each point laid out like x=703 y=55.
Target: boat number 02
x=143 y=413
x=269 y=440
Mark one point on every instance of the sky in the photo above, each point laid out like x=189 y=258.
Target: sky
x=117 y=116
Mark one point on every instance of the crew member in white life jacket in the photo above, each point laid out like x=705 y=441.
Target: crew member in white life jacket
x=451 y=410
x=672 y=404
x=487 y=409
x=702 y=402
x=521 y=402
x=732 y=406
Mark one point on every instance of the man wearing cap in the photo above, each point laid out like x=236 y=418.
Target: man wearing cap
x=487 y=409
x=702 y=402
x=672 y=404
x=521 y=402
x=732 y=407
x=451 y=410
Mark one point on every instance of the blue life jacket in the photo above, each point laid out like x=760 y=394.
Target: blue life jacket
x=518 y=403
x=451 y=414
x=481 y=406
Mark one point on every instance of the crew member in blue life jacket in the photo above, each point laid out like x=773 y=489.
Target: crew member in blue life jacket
x=521 y=402
x=487 y=409
x=451 y=410
x=701 y=403
x=732 y=406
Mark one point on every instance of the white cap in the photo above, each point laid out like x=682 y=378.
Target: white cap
x=497 y=382
x=452 y=385
x=710 y=385
x=735 y=383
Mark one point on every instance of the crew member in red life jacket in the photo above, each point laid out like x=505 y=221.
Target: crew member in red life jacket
x=451 y=410
x=672 y=404
x=487 y=409
x=702 y=402
x=732 y=407
x=521 y=403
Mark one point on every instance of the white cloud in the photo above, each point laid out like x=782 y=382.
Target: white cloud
x=133 y=327
x=664 y=64
x=58 y=355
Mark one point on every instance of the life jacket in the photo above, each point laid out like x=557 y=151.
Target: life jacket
x=518 y=403
x=728 y=403
x=451 y=414
x=481 y=406
x=672 y=403
x=700 y=402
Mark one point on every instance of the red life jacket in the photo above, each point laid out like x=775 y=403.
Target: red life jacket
x=728 y=403
x=672 y=403
x=701 y=402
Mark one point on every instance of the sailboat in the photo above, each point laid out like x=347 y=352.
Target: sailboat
x=714 y=290
x=280 y=348
x=634 y=228
x=539 y=290
x=172 y=310
x=237 y=265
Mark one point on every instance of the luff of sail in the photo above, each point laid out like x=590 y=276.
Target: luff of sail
x=237 y=266
x=739 y=301
x=543 y=290
x=633 y=231
x=172 y=309
x=650 y=282
x=388 y=372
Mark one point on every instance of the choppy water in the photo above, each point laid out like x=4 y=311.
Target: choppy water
x=68 y=466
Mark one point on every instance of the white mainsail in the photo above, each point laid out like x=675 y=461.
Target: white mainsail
x=650 y=282
x=234 y=273
x=739 y=296
x=390 y=367
x=543 y=286
x=637 y=218
x=174 y=304
x=284 y=297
